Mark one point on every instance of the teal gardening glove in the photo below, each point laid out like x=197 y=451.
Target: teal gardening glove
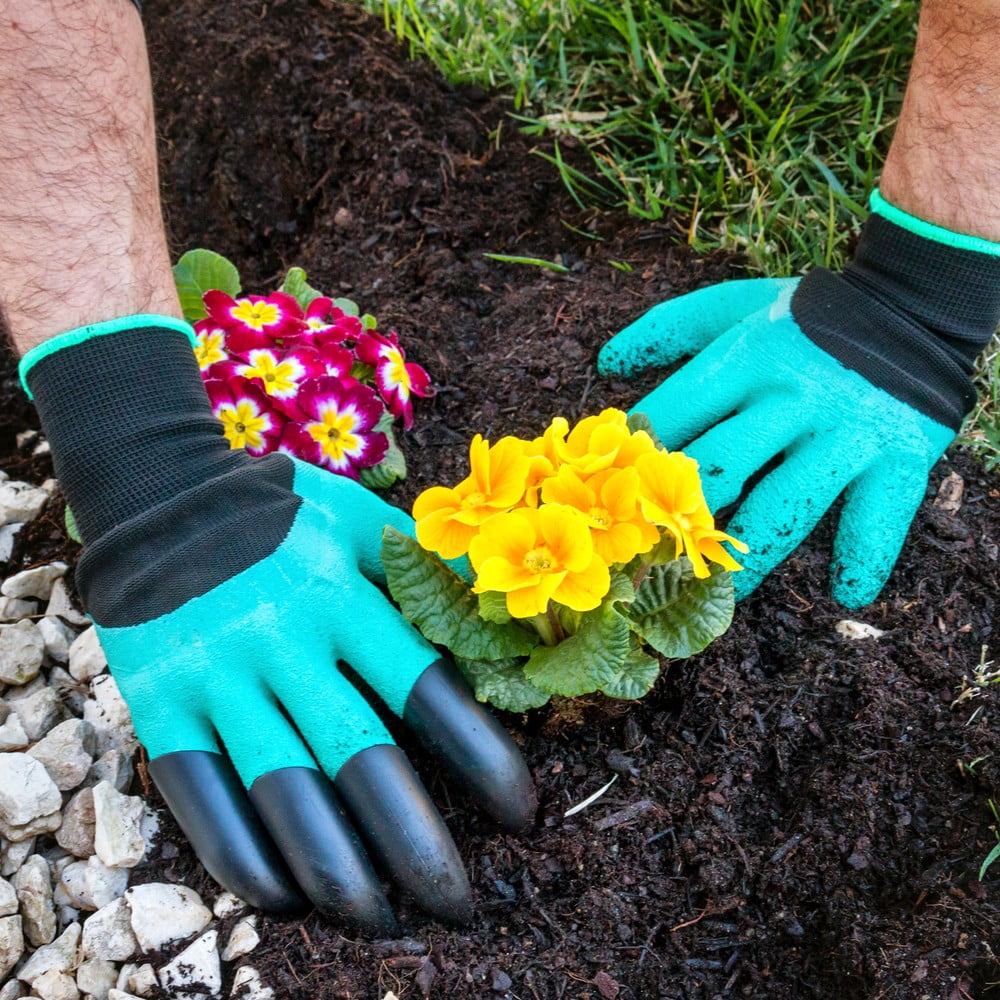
x=858 y=381
x=225 y=590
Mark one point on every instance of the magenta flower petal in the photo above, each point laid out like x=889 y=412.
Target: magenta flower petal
x=248 y=419
x=336 y=361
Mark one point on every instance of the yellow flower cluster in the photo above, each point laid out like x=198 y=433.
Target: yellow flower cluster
x=546 y=519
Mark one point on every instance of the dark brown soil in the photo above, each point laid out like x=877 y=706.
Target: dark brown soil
x=795 y=815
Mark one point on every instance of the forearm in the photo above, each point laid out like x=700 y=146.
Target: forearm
x=944 y=162
x=81 y=234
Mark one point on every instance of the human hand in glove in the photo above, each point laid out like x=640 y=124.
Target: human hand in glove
x=226 y=590
x=855 y=383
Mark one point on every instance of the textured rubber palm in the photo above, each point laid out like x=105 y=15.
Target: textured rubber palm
x=758 y=388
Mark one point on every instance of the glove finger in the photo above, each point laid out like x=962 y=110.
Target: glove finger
x=208 y=800
x=732 y=451
x=878 y=509
x=787 y=503
x=686 y=325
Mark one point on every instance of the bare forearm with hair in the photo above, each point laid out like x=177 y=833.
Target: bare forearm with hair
x=81 y=233
x=944 y=162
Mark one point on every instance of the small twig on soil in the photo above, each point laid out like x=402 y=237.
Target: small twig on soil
x=624 y=815
x=786 y=848
x=690 y=923
x=590 y=800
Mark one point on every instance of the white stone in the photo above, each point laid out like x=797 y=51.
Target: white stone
x=60 y=606
x=227 y=904
x=33 y=885
x=149 y=827
x=58 y=638
x=42 y=448
x=11 y=943
x=108 y=933
x=107 y=712
x=72 y=693
x=76 y=834
x=35 y=582
x=243 y=939
x=118 y=839
x=12 y=734
x=73 y=883
x=22 y=649
x=162 y=913
x=8 y=898
x=20 y=502
x=13 y=608
x=247 y=985
x=55 y=985
x=60 y=955
x=38 y=711
x=114 y=766
x=122 y=995
x=15 y=854
x=12 y=990
x=43 y=824
x=142 y=981
x=26 y=790
x=67 y=752
x=86 y=658
x=856 y=631
x=104 y=884
x=196 y=966
x=8 y=532
x=96 y=976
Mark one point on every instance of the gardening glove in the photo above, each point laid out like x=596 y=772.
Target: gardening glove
x=858 y=381
x=225 y=590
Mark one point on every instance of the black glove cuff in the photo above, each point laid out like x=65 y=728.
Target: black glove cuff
x=909 y=314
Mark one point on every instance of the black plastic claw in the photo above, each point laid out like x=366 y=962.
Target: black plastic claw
x=404 y=830
x=302 y=814
x=472 y=744
x=208 y=800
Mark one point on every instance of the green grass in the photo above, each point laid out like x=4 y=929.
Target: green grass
x=753 y=125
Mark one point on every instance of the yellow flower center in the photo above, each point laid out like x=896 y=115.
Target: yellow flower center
x=256 y=315
x=600 y=517
x=334 y=434
x=277 y=378
x=474 y=500
x=242 y=426
x=398 y=374
x=539 y=560
x=209 y=349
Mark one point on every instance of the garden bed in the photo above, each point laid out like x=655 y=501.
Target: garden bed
x=796 y=813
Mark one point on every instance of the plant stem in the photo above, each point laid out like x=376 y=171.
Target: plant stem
x=640 y=574
x=548 y=627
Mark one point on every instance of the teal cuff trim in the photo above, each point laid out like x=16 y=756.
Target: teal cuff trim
x=960 y=241
x=83 y=333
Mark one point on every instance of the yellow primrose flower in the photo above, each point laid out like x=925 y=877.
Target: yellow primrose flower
x=542 y=458
x=534 y=555
x=670 y=495
x=449 y=518
x=609 y=502
x=603 y=442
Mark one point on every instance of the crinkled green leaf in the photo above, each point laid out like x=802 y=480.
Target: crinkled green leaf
x=493 y=607
x=391 y=468
x=583 y=662
x=441 y=604
x=640 y=422
x=621 y=589
x=678 y=614
x=295 y=284
x=347 y=306
x=71 y=529
x=199 y=271
x=369 y=322
x=664 y=551
x=502 y=683
x=634 y=677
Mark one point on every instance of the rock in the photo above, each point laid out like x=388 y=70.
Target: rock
x=856 y=631
x=66 y=752
x=196 y=971
x=60 y=956
x=91 y=884
x=60 y=606
x=108 y=933
x=15 y=854
x=76 y=834
x=42 y=448
x=55 y=985
x=115 y=766
x=8 y=900
x=35 y=582
x=226 y=905
x=43 y=824
x=33 y=885
x=86 y=658
x=96 y=976
x=247 y=985
x=26 y=790
x=22 y=649
x=122 y=995
x=243 y=939
x=107 y=712
x=143 y=981
x=72 y=693
x=12 y=990
x=13 y=608
x=73 y=883
x=8 y=533
x=12 y=734
x=11 y=943
x=162 y=913
x=118 y=839
x=20 y=502
x=58 y=638
x=38 y=711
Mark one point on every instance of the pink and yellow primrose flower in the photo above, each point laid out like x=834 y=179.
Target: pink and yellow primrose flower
x=397 y=379
x=255 y=320
x=325 y=323
x=448 y=518
x=609 y=503
x=248 y=419
x=670 y=495
x=280 y=373
x=338 y=429
x=211 y=346
x=534 y=555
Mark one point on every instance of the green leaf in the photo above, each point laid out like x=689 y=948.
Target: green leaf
x=199 y=271
x=441 y=604
x=586 y=661
x=989 y=859
x=634 y=677
x=502 y=683
x=640 y=422
x=71 y=529
x=347 y=306
x=621 y=588
x=369 y=322
x=295 y=284
x=679 y=614
x=391 y=468
x=493 y=607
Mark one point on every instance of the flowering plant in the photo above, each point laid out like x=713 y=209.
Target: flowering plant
x=585 y=547
x=299 y=372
